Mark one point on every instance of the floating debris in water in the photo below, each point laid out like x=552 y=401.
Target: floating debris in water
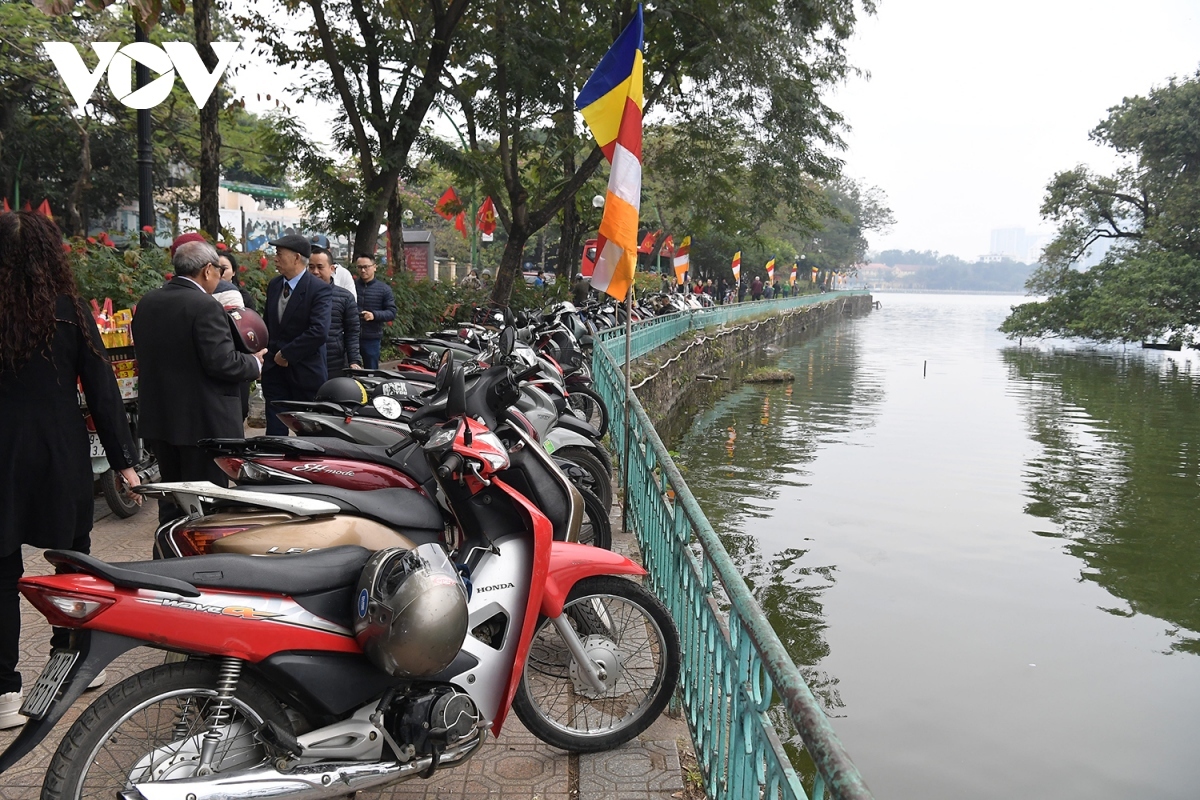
x=765 y=375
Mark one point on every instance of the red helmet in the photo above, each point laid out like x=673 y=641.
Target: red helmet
x=249 y=330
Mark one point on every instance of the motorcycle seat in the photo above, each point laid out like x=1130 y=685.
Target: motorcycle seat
x=303 y=573
x=410 y=459
x=402 y=509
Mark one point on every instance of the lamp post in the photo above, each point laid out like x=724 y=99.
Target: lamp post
x=597 y=203
x=145 y=151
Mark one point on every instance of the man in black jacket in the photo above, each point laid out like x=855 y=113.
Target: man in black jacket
x=341 y=345
x=189 y=370
x=376 y=305
x=297 y=317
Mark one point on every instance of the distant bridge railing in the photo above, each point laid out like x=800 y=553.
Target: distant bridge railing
x=736 y=671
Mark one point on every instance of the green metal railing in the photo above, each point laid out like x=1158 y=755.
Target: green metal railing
x=736 y=673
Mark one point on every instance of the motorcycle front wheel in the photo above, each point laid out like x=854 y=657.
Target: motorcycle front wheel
x=150 y=727
x=626 y=630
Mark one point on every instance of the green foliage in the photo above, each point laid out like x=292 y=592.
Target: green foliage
x=382 y=62
x=124 y=276
x=828 y=228
x=255 y=271
x=739 y=83
x=1141 y=295
x=926 y=258
x=1148 y=285
x=423 y=305
x=85 y=164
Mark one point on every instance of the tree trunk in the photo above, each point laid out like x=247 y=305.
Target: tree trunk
x=210 y=127
x=395 y=234
x=571 y=233
x=570 y=241
x=76 y=226
x=382 y=188
x=509 y=270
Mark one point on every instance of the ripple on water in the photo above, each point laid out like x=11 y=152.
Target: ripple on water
x=929 y=510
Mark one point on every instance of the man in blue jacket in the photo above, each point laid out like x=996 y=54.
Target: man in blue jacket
x=376 y=306
x=297 y=316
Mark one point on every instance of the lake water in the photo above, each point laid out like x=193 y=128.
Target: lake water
x=985 y=558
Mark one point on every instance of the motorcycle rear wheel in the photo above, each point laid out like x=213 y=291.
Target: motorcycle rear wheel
x=596 y=528
x=156 y=717
x=591 y=406
x=114 y=494
x=595 y=477
x=630 y=631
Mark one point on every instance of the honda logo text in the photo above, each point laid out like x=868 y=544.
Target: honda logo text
x=118 y=62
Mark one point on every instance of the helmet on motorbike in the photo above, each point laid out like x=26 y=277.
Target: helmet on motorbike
x=410 y=615
x=344 y=391
x=488 y=316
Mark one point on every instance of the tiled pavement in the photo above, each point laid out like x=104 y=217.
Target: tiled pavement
x=514 y=766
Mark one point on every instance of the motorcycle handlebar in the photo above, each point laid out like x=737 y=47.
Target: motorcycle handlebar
x=451 y=464
x=528 y=373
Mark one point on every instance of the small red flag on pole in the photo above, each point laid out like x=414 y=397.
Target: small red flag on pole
x=668 y=247
x=647 y=245
x=485 y=220
x=448 y=204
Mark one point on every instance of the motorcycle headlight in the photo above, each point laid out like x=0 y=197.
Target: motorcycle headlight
x=489 y=447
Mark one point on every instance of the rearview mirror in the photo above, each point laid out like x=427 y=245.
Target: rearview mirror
x=443 y=374
x=456 y=402
x=508 y=339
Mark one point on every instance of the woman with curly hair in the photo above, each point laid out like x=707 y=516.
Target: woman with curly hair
x=47 y=341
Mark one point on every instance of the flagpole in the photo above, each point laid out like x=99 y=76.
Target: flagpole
x=628 y=392
x=474 y=231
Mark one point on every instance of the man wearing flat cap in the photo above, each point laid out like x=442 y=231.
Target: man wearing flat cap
x=297 y=316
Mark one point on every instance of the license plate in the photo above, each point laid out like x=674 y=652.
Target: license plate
x=38 y=701
x=97 y=449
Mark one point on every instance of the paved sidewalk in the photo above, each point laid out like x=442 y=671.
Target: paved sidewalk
x=514 y=766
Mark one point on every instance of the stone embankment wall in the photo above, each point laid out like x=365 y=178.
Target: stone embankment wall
x=696 y=368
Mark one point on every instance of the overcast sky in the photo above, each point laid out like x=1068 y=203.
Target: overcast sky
x=972 y=106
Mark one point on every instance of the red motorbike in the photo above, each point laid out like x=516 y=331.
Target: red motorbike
x=322 y=674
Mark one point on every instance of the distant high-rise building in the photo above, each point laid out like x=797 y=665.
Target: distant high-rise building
x=1017 y=244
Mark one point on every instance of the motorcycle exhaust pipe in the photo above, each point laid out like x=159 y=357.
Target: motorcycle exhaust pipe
x=319 y=781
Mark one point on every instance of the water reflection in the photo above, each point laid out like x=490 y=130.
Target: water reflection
x=935 y=554
x=772 y=433
x=1118 y=475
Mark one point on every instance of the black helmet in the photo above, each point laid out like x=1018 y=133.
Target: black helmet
x=344 y=391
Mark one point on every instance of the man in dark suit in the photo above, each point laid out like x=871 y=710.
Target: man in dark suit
x=297 y=316
x=188 y=369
